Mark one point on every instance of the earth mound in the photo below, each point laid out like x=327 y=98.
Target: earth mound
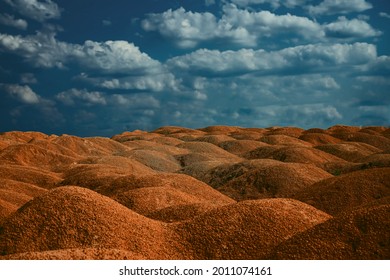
x=218 y=192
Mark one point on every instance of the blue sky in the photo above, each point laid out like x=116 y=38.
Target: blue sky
x=94 y=67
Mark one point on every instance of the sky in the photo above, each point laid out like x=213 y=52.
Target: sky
x=98 y=68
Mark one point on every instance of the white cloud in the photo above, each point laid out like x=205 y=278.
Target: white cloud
x=301 y=58
x=35 y=9
x=331 y=7
x=355 y=28
x=273 y=3
x=44 y=50
x=71 y=96
x=22 y=93
x=385 y=15
x=138 y=101
x=106 y=22
x=114 y=57
x=237 y=26
x=10 y=20
x=249 y=28
x=209 y=2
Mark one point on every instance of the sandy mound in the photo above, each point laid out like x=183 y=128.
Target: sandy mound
x=14 y=194
x=377 y=141
x=183 y=212
x=18 y=137
x=77 y=254
x=96 y=146
x=156 y=160
x=362 y=234
x=30 y=175
x=148 y=200
x=90 y=173
x=345 y=192
x=247 y=230
x=80 y=218
x=282 y=180
x=288 y=131
x=295 y=154
x=214 y=139
x=241 y=147
x=350 y=151
x=319 y=139
x=35 y=156
x=284 y=140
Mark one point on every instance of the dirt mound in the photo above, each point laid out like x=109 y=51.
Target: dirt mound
x=183 y=212
x=377 y=141
x=295 y=154
x=247 y=230
x=80 y=218
x=278 y=139
x=93 y=175
x=19 y=137
x=345 y=192
x=96 y=146
x=35 y=156
x=241 y=147
x=155 y=160
x=288 y=131
x=282 y=180
x=14 y=194
x=350 y=151
x=30 y=175
x=77 y=254
x=319 y=138
x=214 y=139
x=362 y=234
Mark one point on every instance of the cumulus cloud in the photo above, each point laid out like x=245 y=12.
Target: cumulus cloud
x=355 y=28
x=332 y=7
x=44 y=50
x=23 y=94
x=114 y=57
x=237 y=26
x=71 y=96
x=249 y=28
x=10 y=20
x=311 y=57
x=35 y=9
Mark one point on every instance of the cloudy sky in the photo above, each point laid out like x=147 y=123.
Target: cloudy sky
x=95 y=67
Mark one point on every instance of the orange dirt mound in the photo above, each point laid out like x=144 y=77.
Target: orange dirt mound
x=35 y=156
x=284 y=140
x=319 y=138
x=30 y=175
x=282 y=180
x=345 y=192
x=247 y=230
x=361 y=234
x=73 y=217
x=241 y=147
x=183 y=212
x=349 y=151
x=288 y=131
x=77 y=254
